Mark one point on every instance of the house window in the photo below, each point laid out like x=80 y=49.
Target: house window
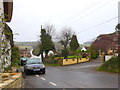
x=8 y=9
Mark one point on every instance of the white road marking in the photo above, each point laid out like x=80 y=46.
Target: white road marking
x=43 y=78
x=37 y=75
x=63 y=89
x=53 y=83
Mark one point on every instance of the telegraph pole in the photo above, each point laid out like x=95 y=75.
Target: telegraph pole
x=118 y=29
x=41 y=27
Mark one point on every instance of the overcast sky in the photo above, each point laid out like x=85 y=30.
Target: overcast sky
x=87 y=18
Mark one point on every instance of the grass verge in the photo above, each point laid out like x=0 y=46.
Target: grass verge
x=113 y=65
x=52 y=64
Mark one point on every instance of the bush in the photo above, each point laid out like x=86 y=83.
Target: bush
x=65 y=53
x=15 y=56
x=8 y=69
x=78 y=52
x=58 y=55
x=94 y=52
x=84 y=54
x=111 y=65
x=71 y=53
x=52 y=60
x=74 y=57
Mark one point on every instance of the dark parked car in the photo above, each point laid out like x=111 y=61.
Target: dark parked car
x=34 y=65
x=23 y=60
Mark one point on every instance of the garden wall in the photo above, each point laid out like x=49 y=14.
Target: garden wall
x=11 y=80
x=74 y=61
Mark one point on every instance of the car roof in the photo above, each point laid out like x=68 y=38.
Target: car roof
x=34 y=59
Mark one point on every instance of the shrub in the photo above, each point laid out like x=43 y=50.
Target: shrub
x=111 y=65
x=52 y=60
x=71 y=53
x=15 y=56
x=94 y=52
x=74 y=57
x=65 y=53
x=78 y=51
x=84 y=54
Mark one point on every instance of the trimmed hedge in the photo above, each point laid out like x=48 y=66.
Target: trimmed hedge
x=74 y=57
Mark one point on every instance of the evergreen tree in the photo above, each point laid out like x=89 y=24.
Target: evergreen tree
x=46 y=42
x=74 y=43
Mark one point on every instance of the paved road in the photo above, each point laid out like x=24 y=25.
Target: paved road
x=82 y=75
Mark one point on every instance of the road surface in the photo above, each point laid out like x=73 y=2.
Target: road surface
x=82 y=75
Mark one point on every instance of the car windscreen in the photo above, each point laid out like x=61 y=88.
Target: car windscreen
x=33 y=61
x=23 y=59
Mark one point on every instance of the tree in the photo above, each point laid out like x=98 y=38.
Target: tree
x=117 y=28
x=74 y=43
x=50 y=29
x=94 y=52
x=46 y=43
x=65 y=37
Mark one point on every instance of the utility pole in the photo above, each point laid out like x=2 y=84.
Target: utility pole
x=42 y=51
x=41 y=27
x=118 y=29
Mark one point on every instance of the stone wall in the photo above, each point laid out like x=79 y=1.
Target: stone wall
x=13 y=80
x=1 y=11
x=5 y=44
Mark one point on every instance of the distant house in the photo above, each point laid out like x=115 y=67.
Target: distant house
x=25 y=51
x=106 y=42
x=83 y=49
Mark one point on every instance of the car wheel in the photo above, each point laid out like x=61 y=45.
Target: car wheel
x=26 y=73
x=43 y=72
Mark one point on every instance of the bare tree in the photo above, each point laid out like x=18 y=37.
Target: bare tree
x=66 y=36
x=50 y=29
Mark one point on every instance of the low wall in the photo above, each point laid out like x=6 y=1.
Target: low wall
x=74 y=61
x=83 y=60
x=108 y=57
x=69 y=61
x=11 y=80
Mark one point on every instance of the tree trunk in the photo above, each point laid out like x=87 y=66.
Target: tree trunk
x=42 y=56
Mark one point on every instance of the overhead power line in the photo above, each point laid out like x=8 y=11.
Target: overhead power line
x=86 y=13
x=98 y=25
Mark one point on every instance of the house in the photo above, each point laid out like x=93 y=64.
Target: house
x=6 y=9
x=106 y=42
x=25 y=53
x=83 y=49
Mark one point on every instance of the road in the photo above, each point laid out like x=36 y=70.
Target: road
x=82 y=75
